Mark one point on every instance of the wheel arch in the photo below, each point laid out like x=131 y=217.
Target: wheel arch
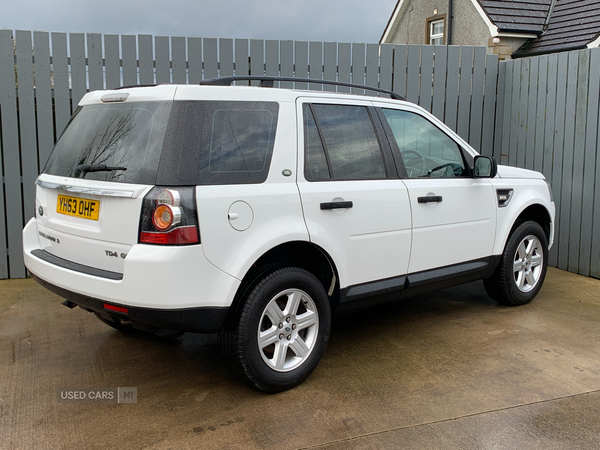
x=302 y=254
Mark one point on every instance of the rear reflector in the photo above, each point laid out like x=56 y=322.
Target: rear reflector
x=181 y=235
x=115 y=308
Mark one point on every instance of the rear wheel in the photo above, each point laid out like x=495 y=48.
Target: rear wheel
x=522 y=269
x=277 y=335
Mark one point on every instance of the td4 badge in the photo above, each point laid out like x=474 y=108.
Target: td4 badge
x=115 y=254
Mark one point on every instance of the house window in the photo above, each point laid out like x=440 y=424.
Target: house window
x=435 y=30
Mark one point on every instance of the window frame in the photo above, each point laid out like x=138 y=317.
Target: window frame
x=428 y=24
x=389 y=164
x=466 y=156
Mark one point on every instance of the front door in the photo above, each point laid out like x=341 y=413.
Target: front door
x=453 y=214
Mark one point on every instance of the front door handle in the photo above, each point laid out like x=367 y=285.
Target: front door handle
x=430 y=199
x=336 y=205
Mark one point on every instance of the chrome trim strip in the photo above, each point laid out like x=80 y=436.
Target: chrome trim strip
x=84 y=190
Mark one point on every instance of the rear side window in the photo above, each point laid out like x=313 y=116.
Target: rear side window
x=215 y=143
x=341 y=144
x=128 y=135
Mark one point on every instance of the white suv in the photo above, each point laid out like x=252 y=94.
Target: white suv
x=258 y=212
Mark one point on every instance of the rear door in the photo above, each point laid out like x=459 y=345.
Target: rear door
x=355 y=206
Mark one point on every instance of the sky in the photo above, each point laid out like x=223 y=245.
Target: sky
x=301 y=20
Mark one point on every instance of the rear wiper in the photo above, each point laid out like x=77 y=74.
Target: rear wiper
x=98 y=168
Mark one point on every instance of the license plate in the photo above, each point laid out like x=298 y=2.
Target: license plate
x=78 y=207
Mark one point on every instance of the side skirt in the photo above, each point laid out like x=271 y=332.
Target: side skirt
x=360 y=296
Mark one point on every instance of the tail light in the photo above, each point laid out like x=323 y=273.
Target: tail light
x=169 y=217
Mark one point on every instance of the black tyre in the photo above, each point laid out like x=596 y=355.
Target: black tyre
x=522 y=269
x=276 y=336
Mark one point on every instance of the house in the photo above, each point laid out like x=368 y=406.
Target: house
x=509 y=28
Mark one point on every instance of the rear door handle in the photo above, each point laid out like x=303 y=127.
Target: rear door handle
x=430 y=199
x=336 y=205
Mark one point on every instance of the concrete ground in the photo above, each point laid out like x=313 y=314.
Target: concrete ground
x=449 y=370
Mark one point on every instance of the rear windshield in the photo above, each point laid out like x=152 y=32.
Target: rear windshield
x=126 y=135
x=169 y=143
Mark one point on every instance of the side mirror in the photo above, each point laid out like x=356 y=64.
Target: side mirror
x=485 y=167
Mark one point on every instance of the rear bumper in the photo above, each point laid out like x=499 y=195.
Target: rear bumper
x=154 y=277
x=196 y=320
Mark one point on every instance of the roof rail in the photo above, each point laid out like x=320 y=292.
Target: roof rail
x=134 y=86
x=269 y=81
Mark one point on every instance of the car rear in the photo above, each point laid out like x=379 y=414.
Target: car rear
x=116 y=226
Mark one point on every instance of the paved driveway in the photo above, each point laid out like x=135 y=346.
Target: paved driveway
x=447 y=370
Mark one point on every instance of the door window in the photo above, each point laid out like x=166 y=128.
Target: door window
x=340 y=143
x=425 y=149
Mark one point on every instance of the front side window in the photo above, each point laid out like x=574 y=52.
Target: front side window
x=425 y=149
x=341 y=144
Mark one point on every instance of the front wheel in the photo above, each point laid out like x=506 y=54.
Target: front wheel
x=277 y=335
x=522 y=269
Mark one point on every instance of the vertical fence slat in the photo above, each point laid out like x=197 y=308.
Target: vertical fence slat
x=330 y=64
x=286 y=52
x=500 y=106
x=413 y=73
x=315 y=64
x=11 y=159
x=439 y=81
x=146 y=59
x=272 y=59
x=358 y=66
x=130 y=62
x=242 y=65
x=582 y=81
x=559 y=140
x=522 y=113
x=591 y=169
x=111 y=58
x=94 y=66
x=178 y=69
x=27 y=129
x=195 y=60
x=257 y=58
x=372 y=68
x=426 y=82
x=162 y=59
x=542 y=113
x=514 y=115
x=43 y=96
x=344 y=65
x=489 y=105
x=399 y=82
x=464 y=95
x=301 y=64
x=477 y=98
x=452 y=86
x=78 y=75
x=225 y=57
x=385 y=66
x=595 y=250
x=567 y=165
x=550 y=116
x=532 y=112
x=209 y=52
x=60 y=69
